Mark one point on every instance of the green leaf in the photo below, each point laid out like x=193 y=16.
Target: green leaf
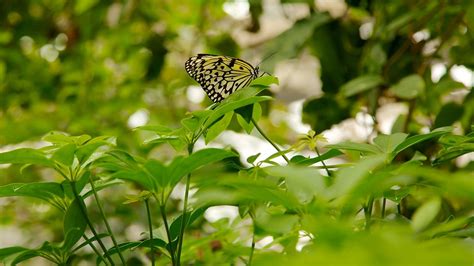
x=217 y=128
x=236 y=100
x=26 y=255
x=74 y=225
x=191 y=123
x=425 y=214
x=453 y=152
x=158 y=129
x=413 y=140
x=6 y=252
x=25 y=156
x=361 y=84
x=190 y=218
x=48 y=191
x=360 y=147
x=310 y=161
x=65 y=154
x=253 y=158
x=449 y=113
x=348 y=178
x=303 y=182
x=409 y=87
x=387 y=143
x=138 y=177
x=275 y=223
x=180 y=168
x=158 y=171
x=396 y=195
x=264 y=81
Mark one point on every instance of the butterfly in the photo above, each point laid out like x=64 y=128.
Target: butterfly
x=220 y=75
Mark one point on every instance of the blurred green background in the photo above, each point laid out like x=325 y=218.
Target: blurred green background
x=351 y=69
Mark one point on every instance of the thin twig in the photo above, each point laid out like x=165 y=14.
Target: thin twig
x=150 y=228
x=270 y=141
x=107 y=225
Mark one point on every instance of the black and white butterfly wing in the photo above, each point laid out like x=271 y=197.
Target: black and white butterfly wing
x=220 y=76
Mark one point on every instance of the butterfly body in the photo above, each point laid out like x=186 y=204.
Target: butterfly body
x=220 y=75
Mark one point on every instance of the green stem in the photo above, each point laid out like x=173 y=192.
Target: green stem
x=150 y=228
x=368 y=212
x=185 y=206
x=107 y=225
x=269 y=140
x=322 y=161
x=252 y=249
x=94 y=248
x=82 y=207
x=384 y=202
x=168 y=234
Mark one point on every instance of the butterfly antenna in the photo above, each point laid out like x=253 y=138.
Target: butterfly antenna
x=266 y=57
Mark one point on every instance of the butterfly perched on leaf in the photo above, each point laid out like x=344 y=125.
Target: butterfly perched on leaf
x=220 y=75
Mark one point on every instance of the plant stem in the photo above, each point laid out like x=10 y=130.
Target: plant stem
x=168 y=234
x=82 y=207
x=368 y=212
x=94 y=248
x=107 y=225
x=150 y=228
x=322 y=161
x=269 y=140
x=185 y=206
x=252 y=249
x=384 y=202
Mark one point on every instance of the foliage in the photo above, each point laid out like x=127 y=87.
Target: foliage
x=400 y=197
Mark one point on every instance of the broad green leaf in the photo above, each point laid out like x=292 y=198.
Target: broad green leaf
x=396 y=195
x=348 y=178
x=124 y=157
x=26 y=255
x=61 y=138
x=175 y=227
x=453 y=152
x=387 y=143
x=74 y=224
x=65 y=154
x=191 y=123
x=413 y=140
x=449 y=113
x=158 y=129
x=236 y=100
x=425 y=214
x=309 y=161
x=276 y=223
x=6 y=252
x=265 y=81
x=180 y=168
x=158 y=171
x=25 y=156
x=352 y=146
x=303 y=182
x=48 y=191
x=217 y=128
x=361 y=84
x=409 y=87
x=138 y=177
x=253 y=158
